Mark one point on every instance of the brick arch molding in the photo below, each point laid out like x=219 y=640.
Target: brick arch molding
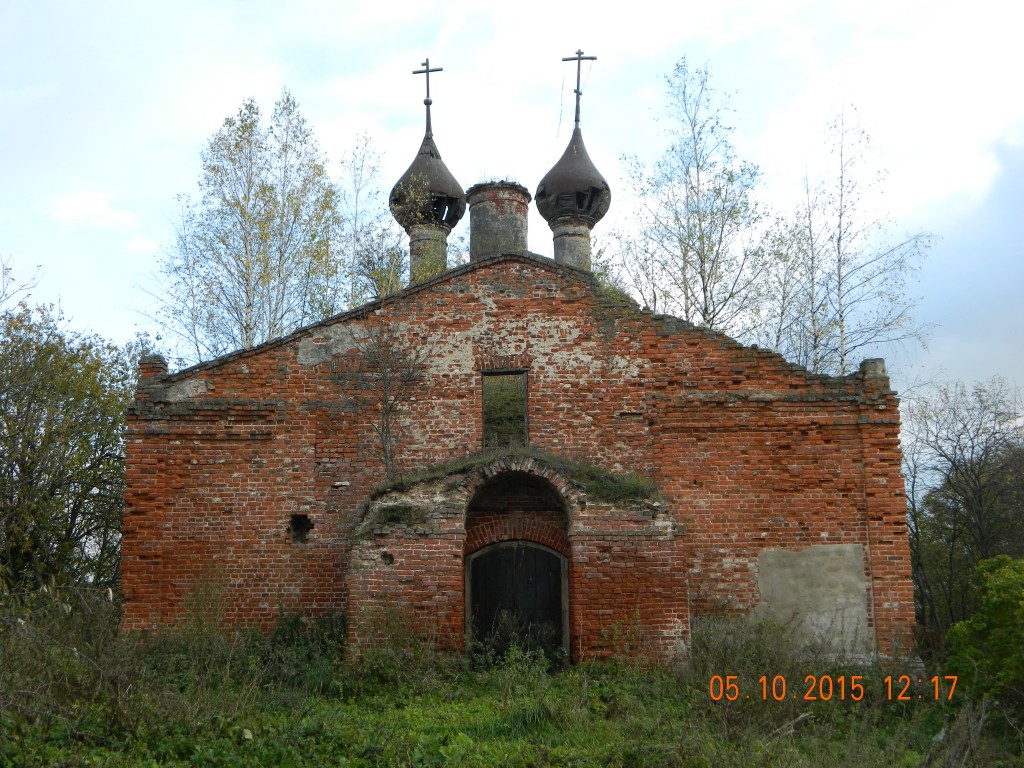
x=543 y=528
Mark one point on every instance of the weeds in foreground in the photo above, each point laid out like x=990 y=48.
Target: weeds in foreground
x=74 y=692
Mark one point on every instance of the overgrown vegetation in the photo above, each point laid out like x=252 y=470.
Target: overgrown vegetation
x=75 y=693
x=597 y=482
x=62 y=402
x=986 y=648
x=963 y=463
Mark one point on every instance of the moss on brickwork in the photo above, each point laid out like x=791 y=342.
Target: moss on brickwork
x=395 y=513
x=597 y=482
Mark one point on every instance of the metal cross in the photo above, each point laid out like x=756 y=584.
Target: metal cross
x=579 y=58
x=426 y=71
x=427 y=101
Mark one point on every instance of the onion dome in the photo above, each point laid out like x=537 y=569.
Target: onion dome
x=428 y=194
x=574 y=188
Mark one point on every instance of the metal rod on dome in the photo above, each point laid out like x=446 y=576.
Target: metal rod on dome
x=579 y=58
x=427 y=101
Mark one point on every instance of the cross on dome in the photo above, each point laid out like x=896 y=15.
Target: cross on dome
x=579 y=58
x=428 y=101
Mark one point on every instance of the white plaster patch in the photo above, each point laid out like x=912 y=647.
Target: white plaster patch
x=186 y=389
x=820 y=592
x=327 y=342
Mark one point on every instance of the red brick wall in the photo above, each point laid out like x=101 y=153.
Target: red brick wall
x=626 y=573
x=748 y=451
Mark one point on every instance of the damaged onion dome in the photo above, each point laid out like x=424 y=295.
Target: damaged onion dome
x=427 y=193
x=574 y=188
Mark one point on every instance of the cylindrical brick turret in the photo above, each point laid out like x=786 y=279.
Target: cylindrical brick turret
x=428 y=251
x=498 y=213
x=427 y=201
x=572 y=242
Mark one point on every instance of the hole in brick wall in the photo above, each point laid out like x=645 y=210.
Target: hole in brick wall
x=388 y=558
x=299 y=528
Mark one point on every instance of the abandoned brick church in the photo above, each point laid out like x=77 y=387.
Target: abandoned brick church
x=564 y=465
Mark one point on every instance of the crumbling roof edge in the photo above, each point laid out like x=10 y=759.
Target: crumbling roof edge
x=671 y=324
x=378 y=303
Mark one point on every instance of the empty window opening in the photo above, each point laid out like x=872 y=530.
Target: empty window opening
x=504 y=397
x=299 y=528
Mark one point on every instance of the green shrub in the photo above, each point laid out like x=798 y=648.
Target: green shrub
x=68 y=677
x=62 y=661
x=305 y=655
x=987 y=650
x=393 y=660
x=504 y=403
x=195 y=674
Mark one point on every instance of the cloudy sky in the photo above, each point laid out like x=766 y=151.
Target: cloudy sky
x=105 y=107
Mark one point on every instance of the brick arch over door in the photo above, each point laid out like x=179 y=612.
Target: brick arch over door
x=518 y=559
x=416 y=568
x=520 y=499
x=517 y=506
x=626 y=562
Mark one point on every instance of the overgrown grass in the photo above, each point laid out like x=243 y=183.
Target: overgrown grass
x=597 y=482
x=75 y=693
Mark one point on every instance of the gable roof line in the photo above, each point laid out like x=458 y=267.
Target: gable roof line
x=670 y=324
x=376 y=304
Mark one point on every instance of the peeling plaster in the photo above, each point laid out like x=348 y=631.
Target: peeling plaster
x=330 y=341
x=186 y=389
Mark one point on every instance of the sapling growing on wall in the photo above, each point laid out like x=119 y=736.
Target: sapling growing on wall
x=382 y=372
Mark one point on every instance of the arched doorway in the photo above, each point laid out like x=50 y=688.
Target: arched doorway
x=517 y=565
x=517 y=592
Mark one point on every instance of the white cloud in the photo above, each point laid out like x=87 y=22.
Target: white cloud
x=931 y=83
x=91 y=209
x=141 y=245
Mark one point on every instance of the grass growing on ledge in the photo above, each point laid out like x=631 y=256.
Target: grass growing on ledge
x=597 y=482
x=390 y=514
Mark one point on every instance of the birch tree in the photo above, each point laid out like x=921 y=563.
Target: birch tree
x=374 y=256
x=697 y=253
x=252 y=258
x=846 y=275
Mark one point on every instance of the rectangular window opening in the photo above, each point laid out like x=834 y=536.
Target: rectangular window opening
x=504 y=397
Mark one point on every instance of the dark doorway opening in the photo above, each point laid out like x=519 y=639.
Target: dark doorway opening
x=516 y=592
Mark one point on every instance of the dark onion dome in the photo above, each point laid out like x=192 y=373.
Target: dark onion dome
x=574 y=188
x=427 y=193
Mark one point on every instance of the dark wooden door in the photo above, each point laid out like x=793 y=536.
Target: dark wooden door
x=516 y=592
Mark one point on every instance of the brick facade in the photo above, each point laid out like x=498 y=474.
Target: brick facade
x=749 y=453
